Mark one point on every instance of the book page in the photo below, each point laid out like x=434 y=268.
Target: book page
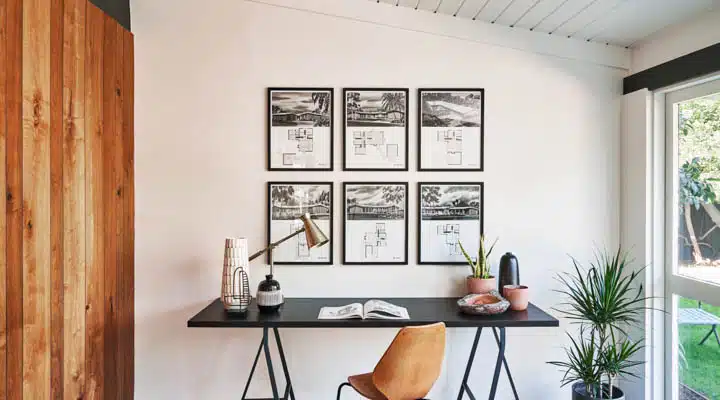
x=349 y=311
x=383 y=310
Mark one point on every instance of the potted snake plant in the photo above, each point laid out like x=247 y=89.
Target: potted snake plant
x=605 y=300
x=480 y=281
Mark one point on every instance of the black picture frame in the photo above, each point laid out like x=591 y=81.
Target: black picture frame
x=269 y=122
x=420 y=92
x=345 y=133
x=328 y=233
x=405 y=225
x=420 y=220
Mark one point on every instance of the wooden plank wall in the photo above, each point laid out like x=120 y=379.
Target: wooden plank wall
x=67 y=217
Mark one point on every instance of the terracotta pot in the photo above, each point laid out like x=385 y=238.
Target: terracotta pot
x=480 y=285
x=517 y=295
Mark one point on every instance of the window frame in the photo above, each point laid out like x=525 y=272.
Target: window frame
x=675 y=285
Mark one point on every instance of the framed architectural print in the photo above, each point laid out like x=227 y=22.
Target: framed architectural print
x=375 y=223
x=375 y=134
x=449 y=213
x=451 y=129
x=287 y=201
x=300 y=129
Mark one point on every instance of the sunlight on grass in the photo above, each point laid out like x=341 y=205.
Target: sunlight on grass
x=701 y=368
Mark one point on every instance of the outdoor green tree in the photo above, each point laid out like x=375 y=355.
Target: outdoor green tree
x=699 y=158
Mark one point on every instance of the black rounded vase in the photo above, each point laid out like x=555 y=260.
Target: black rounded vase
x=579 y=392
x=509 y=271
x=269 y=295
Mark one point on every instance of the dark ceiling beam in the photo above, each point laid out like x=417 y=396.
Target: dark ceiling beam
x=694 y=65
x=117 y=9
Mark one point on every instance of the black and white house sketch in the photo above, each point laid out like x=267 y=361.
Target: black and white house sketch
x=451 y=129
x=287 y=201
x=375 y=223
x=300 y=129
x=449 y=213
x=375 y=129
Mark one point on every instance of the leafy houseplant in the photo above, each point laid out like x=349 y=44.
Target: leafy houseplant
x=480 y=281
x=605 y=302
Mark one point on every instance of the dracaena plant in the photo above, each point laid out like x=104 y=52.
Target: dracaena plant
x=606 y=301
x=480 y=267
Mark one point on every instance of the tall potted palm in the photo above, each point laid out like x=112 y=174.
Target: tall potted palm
x=606 y=300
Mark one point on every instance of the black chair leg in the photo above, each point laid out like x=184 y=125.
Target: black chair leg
x=710 y=333
x=340 y=389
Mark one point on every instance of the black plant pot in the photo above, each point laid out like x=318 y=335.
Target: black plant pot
x=579 y=393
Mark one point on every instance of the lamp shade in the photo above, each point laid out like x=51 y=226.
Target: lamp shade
x=315 y=237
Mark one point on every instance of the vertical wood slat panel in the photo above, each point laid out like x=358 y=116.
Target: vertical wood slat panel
x=36 y=199
x=67 y=233
x=95 y=210
x=56 y=200
x=74 y=197
x=3 y=238
x=127 y=273
x=112 y=149
x=13 y=195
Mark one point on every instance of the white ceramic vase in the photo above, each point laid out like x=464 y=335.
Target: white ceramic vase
x=235 y=291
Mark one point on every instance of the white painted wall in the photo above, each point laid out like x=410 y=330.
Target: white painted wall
x=552 y=185
x=676 y=41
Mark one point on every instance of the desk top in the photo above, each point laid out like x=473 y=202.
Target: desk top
x=303 y=313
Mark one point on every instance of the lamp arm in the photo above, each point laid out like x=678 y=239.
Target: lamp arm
x=276 y=244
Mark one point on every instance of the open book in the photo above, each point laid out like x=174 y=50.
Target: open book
x=372 y=309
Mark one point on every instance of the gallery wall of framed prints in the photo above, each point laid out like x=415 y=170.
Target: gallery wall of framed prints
x=375 y=129
x=375 y=138
x=287 y=201
x=451 y=129
x=300 y=129
x=449 y=213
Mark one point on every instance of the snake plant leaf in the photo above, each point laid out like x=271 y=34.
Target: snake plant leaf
x=469 y=260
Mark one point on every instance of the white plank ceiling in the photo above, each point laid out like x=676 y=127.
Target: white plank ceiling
x=615 y=22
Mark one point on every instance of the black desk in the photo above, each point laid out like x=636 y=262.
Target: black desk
x=303 y=312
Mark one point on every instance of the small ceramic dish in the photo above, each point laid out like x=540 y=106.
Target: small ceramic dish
x=490 y=303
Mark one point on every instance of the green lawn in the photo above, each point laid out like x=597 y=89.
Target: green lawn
x=701 y=368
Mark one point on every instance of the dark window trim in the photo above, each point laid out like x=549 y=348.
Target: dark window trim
x=694 y=65
x=119 y=10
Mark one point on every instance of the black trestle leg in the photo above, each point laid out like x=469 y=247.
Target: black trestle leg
x=268 y=359
x=252 y=370
x=464 y=386
x=507 y=368
x=288 y=385
x=498 y=364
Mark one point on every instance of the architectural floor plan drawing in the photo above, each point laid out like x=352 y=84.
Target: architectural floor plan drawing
x=452 y=138
x=374 y=240
x=451 y=234
x=305 y=144
x=368 y=142
x=301 y=249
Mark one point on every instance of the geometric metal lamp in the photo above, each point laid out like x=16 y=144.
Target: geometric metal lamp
x=269 y=295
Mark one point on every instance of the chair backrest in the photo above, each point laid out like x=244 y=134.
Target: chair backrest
x=412 y=363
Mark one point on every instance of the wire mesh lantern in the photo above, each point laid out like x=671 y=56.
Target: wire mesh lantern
x=235 y=292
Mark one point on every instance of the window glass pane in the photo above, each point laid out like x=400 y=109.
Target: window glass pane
x=698 y=350
x=698 y=138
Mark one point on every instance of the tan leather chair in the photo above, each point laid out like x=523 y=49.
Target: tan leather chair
x=409 y=367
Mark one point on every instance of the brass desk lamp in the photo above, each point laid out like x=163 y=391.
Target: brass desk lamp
x=269 y=295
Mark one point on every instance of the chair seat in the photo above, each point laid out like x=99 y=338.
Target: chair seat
x=364 y=385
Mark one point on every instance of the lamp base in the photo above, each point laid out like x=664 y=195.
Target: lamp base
x=269 y=295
